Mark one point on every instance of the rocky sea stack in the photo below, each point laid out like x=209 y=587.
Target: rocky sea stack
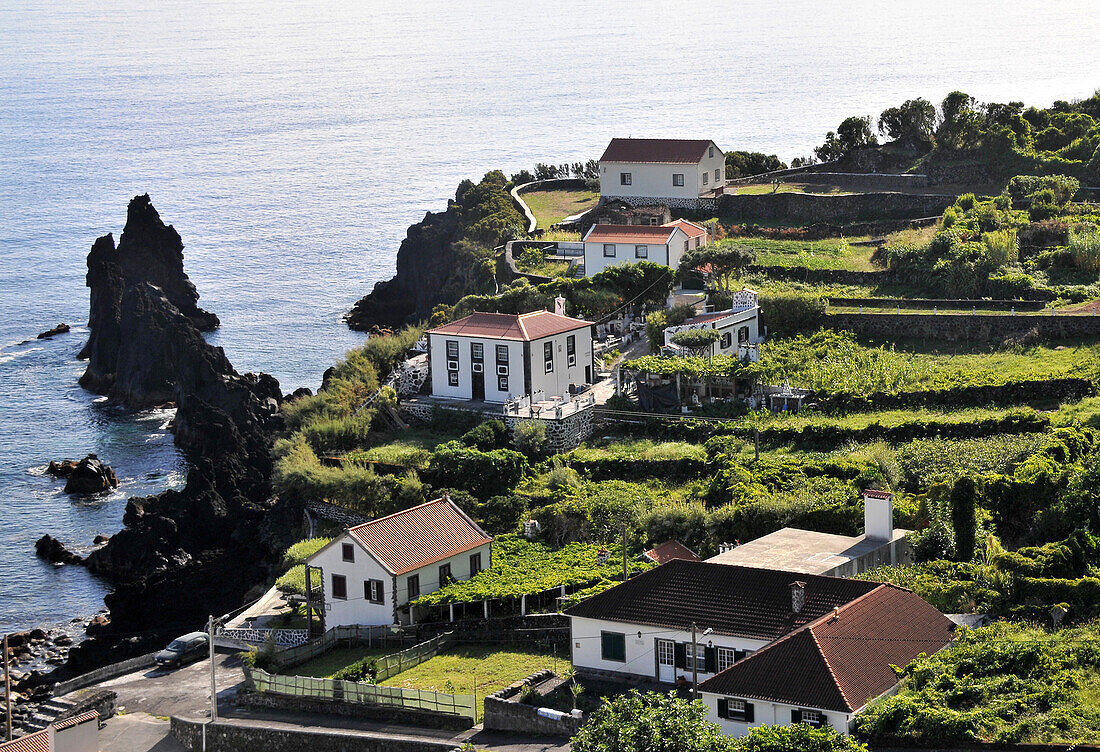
x=148 y=252
x=89 y=476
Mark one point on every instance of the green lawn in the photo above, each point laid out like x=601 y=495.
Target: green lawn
x=410 y=448
x=764 y=188
x=552 y=206
x=491 y=667
x=640 y=449
x=831 y=253
x=328 y=664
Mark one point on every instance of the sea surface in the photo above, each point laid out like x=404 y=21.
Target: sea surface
x=292 y=144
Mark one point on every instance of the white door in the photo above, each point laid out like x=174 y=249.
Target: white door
x=666 y=661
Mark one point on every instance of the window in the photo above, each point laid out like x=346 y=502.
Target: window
x=502 y=353
x=812 y=717
x=743 y=335
x=475 y=564
x=571 y=350
x=452 y=378
x=705 y=176
x=548 y=356
x=717 y=177
x=609 y=250
x=697 y=242
x=727 y=340
x=477 y=351
x=373 y=591
x=613 y=646
x=624 y=178
x=502 y=383
x=735 y=710
x=686 y=246
x=479 y=367
x=726 y=658
x=641 y=251
x=349 y=552
x=452 y=349
x=412 y=585
x=452 y=365
x=445 y=575
x=678 y=179
x=698 y=655
x=502 y=370
x=710 y=153
x=340 y=587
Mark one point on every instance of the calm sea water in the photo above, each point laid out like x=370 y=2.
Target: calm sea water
x=292 y=143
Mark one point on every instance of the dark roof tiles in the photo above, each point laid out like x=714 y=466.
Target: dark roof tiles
x=664 y=150
x=523 y=327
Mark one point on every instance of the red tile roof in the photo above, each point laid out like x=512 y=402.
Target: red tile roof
x=841 y=660
x=629 y=234
x=670 y=550
x=731 y=600
x=665 y=150
x=875 y=494
x=39 y=741
x=524 y=327
x=420 y=536
x=76 y=720
x=690 y=229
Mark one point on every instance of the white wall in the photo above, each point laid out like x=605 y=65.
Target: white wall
x=648 y=179
x=437 y=347
x=641 y=657
x=766 y=714
x=356 y=609
x=556 y=383
x=708 y=165
x=728 y=325
x=84 y=737
x=659 y=253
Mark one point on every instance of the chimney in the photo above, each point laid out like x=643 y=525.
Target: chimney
x=798 y=596
x=559 y=305
x=878 y=514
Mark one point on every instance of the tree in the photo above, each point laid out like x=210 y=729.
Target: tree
x=960 y=123
x=650 y=722
x=913 y=123
x=697 y=341
x=638 y=283
x=724 y=262
x=741 y=164
x=854 y=132
x=798 y=737
x=964 y=520
x=529 y=436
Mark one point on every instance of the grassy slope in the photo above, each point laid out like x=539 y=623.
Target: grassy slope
x=550 y=207
x=328 y=664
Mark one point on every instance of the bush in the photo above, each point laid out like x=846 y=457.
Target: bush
x=1084 y=249
x=492 y=434
x=798 y=737
x=650 y=722
x=480 y=473
x=790 y=313
x=529 y=437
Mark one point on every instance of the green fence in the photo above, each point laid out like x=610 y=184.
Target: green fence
x=383 y=636
x=390 y=665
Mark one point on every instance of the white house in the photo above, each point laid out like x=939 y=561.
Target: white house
x=676 y=172
x=495 y=357
x=372 y=571
x=609 y=245
x=739 y=326
x=77 y=734
x=747 y=617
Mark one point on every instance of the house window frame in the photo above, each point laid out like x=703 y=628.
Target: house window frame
x=741 y=711
x=706 y=175
x=726 y=341
x=626 y=178
x=374 y=591
x=609 y=247
x=412 y=587
x=548 y=356
x=678 y=179
x=502 y=354
x=811 y=716
x=742 y=335
x=502 y=383
x=475 y=563
x=347 y=552
x=717 y=177
x=477 y=352
x=571 y=350
x=452 y=378
x=445 y=575
x=452 y=349
x=339 y=593
x=619 y=639
x=726 y=657
x=641 y=251
x=690 y=656
x=710 y=152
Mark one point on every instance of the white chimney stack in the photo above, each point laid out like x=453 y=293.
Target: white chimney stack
x=878 y=514
x=798 y=596
x=559 y=305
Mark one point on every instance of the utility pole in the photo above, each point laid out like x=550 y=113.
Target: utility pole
x=694 y=663
x=7 y=688
x=213 y=676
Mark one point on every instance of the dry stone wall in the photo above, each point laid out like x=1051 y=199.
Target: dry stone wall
x=964 y=327
x=805 y=208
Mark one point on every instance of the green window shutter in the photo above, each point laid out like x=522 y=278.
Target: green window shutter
x=680 y=655
x=749 y=715
x=723 y=708
x=710 y=660
x=613 y=646
x=796 y=716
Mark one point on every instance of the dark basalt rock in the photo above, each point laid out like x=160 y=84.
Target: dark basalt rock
x=61 y=328
x=148 y=252
x=62 y=469
x=89 y=476
x=52 y=550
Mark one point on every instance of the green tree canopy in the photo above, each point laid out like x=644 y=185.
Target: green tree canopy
x=724 y=262
x=696 y=341
x=638 y=283
x=650 y=722
x=912 y=123
x=850 y=135
x=964 y=519
x=740 y=164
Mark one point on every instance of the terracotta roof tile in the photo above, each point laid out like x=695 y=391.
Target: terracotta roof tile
x=420 y=536
x=670 y=550
x=39 y=741
x=876 y=494
x=731 y=600
x=76 y=720
x=524 y=327
x=666 y=150
x=690 y=229
x=661 y=234
x=842 y=661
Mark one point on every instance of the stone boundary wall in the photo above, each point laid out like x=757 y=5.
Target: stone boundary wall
x=930 y=303
x=284 y=638
x=103 y=674
x=769 y=176
x=551 y=184
x=880 y=181
x=333 y=513
x=684 y=204
x=963 y=327
x=387 y=713
x=504 y=713
x=226 y=736
x=1014 y=393
x=561 y=434
x=806 y=208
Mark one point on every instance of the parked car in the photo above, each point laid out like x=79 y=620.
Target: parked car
x=190 y=647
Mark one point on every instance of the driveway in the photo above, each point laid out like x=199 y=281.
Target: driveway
x=185 y=691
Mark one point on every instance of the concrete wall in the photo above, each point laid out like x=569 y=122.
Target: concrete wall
x=228 y=736
x=805 y=208
x=102 y=674
x=964 y=327
x=556 y=383
x=83 y=737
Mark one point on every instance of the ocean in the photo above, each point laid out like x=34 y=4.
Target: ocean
x=292 y=143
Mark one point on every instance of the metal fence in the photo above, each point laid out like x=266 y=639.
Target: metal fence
x=382 y=636
x=390 y=665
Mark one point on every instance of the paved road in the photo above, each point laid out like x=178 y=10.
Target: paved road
x=137 y=732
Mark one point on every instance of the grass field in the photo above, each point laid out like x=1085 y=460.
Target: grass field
x=551 y=207
x=790 y=188
x=412 y=449
x=831 y=253
x=476 y=669
x=324 y=666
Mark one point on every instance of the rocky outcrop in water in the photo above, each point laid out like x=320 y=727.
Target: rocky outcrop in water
x=54 y=551
x=89 y=476
x=61 y=328
x=148 y=252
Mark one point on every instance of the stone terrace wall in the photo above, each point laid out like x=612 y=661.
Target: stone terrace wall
x=503 y=712
x=805 y=208
x=232 y=737
x=387 y=713
x=963 y=327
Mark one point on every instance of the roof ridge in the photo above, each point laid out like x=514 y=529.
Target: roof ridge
x=825 y=658
x=362 y=525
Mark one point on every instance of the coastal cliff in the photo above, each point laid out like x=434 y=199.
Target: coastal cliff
x=148 y=252
x=444 y=256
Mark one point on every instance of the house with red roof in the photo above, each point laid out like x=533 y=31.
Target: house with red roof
x=371 y=572
x=738 y=326
x=497 y=357
x=610 y=245
x=77 y=734
x=766 y=646
x=672 y=171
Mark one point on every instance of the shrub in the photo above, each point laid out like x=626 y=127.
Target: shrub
x=529 y=437
x=790 y=313
x=492 y=434
x=480 y=473
x=650 y=722
x=798 y=736
x=965 y=202
x=303 y=549
x=1084 y=249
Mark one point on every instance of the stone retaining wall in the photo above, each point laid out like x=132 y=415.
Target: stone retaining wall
x=503 y=712
x=930 y=303
x=387 y=713
x=103 y=674
x=226 y=736
x=333 y=513
x=561 y=434
x=824 y=276
x=963 y=327
x=708 y=205
x=805 y=208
